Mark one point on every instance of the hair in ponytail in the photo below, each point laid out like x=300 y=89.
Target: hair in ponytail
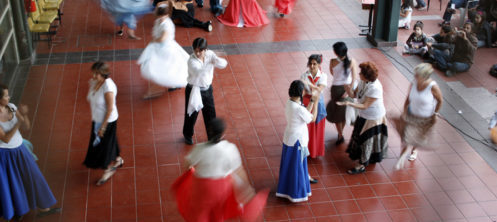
x=340 y=50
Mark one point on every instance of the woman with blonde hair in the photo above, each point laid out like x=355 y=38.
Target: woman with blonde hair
x=420 y=110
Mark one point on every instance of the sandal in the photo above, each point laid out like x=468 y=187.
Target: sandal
x=339 y=141
x=120 y=33
x=48 y=212
x=413 y=155
x=107 y=175
x=356 y=170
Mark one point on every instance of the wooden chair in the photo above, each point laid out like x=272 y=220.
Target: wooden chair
x=38 y=29
x=39 y=17
x=52 y=8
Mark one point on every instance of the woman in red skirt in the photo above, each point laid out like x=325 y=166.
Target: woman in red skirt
x=284 y=6
x=216 y=187
x=315 y=82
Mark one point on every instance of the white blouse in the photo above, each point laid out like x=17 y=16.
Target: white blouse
x=16 y=140
x=214 y=161
x=97 y=101
x=371 y=90
x=339 y=76
x=201 y=73
x=297 y=118
x=319 y=79
x=422 y=103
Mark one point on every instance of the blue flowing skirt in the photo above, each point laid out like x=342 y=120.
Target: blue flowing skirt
x=293 y=182
x=22 y=186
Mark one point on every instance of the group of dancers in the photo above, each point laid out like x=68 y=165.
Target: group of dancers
x=215 y=187
x=238 y=13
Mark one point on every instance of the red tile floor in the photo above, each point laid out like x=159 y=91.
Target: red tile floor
x=450 y=182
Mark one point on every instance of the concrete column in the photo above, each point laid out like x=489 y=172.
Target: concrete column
x=21 y=29
x=385 y=23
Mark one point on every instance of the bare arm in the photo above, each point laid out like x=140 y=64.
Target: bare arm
x=7 y=136
x=109 y=102
x=437 y=93
x=22 y=116
x=355 y=73
x=367 y=103
x=312 y=107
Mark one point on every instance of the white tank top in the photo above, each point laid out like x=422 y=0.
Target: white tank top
x=339 y=77
x=16 y=140
x=422 y=103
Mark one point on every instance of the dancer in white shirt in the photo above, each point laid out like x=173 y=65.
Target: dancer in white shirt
x=198 y=93
x=163 y=61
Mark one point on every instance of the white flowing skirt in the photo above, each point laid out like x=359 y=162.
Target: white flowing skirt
x=165 y=64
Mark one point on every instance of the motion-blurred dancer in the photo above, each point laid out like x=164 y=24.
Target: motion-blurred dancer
x=420 y=110
x=163 y=61
x=124 y=12
x=284 y=7
x=216 y=187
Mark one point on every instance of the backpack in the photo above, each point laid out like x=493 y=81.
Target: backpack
x=493 y=70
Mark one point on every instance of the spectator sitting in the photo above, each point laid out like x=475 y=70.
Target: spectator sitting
x=465 y=43
x=405 y=14
x=482 y=30
x=183 y=13
x=449 y=10
x=440 y=41
x=416 y=43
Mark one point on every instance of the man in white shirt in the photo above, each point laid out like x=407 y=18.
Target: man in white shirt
x=198 y=93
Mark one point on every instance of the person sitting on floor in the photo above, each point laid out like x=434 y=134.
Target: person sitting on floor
x=405 y=14
x=416 y=43
x=183 y=13
x=483 y=30
x=442 y=42
x=465 y=43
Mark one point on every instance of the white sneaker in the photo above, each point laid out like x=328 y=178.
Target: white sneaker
x=413 y=155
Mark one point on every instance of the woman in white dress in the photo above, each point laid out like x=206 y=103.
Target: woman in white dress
x=164 y=61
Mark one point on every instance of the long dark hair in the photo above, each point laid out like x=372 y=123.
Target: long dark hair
x=407 y=4
x=216 y=129
x=296 y=89
x=341 y=50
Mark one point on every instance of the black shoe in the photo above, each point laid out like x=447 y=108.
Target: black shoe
x=172 y=89
x=200 y=5
x=208 y=27
x=188 y=140
x=339 y=141
x=313 y=180
x=282 y=15
x=120 y=33
x=356 y=170
x=46 y=213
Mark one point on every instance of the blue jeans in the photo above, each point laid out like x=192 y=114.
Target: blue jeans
x=443 y=62
x=125 y=18
x=215 y=6
x=458 y=4
x=421 y=3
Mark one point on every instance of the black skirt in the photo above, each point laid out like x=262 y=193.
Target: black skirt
x=100 y=156
x=336 y=113
x=369 y=141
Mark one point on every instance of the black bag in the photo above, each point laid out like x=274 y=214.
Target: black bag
x=493 y=70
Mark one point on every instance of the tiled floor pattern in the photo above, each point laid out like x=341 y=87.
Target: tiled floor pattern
x=449 y=182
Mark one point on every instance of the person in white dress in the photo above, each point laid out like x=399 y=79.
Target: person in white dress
x=164 y=62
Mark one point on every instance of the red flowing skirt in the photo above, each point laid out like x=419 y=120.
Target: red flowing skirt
x=316 y=134
x=253 y=14
x=212 y=200
x=285 y=6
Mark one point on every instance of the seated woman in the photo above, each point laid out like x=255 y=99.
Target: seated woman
x=405 y=14
x=482 y=30
x=183 y=13
x=242 y=13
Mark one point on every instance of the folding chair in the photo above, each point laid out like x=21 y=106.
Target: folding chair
x=40 y=29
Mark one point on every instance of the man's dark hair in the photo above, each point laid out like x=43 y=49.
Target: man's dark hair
x=199 y=43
